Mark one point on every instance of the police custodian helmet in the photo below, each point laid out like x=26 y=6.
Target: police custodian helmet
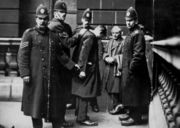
x=87 y=15
x=60 y=6
x=131 y=14
x=42 y=11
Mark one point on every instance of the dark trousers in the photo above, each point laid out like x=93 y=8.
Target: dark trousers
x=37 y=123
x=93 y=101
x=115 y=100
x=137 y=112
x=81 y=108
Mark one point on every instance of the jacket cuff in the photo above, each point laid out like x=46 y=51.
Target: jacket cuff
x=24 y=73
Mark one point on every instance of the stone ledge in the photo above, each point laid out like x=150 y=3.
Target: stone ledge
x=11 y=88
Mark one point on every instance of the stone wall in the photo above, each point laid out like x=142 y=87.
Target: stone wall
x=9 y=18
x=107 y=12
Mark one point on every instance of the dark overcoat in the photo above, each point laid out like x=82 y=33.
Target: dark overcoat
x=86 y=56
x=135 y=77
x=58 y=27
x=33 y=61
x=111 y=82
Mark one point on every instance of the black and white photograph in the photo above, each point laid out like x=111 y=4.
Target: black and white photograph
x=89 y=63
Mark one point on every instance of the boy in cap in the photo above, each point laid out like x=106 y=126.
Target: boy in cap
x=135 y=77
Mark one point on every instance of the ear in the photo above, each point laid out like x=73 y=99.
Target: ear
x=136 y=21
x=54 y=13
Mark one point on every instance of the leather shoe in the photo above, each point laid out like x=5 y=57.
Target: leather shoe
x=95 y=108
x=88 y=123
x=119 y=109
x=130 y=121
x=124 y=116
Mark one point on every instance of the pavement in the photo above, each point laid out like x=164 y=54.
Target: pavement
x=12 y=117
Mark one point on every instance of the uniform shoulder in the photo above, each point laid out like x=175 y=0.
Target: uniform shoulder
x=89 y=34
x=78 y=27
x=67 y=25
x=29 y=30
x=138 y=32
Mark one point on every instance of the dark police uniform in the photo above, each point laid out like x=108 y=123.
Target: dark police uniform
x=41 y=100
x=86 y=56
x=135 y=77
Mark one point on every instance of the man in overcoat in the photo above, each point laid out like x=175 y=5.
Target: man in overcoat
x=58 y=26
x=135 y=77
x=112 y=71
x=86 y=24
x=39 y=60
x=85 y=86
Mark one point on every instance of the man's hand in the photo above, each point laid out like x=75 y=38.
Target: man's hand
x=57 y=15
x=109 y=60
x=77 y=66
x=82 y=75
x=76 y=69
x=26 y=79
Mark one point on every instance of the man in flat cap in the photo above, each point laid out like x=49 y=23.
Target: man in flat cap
x=40 y=62
x=135 y=77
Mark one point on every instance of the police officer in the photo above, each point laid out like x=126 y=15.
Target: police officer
x=58 y=26
x=86 y=85
x=39 y=63
x=86 y=20
x=135 y=77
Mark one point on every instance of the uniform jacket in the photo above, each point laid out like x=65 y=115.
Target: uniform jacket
x=57 y=26
x=112 y=72
x=33 y=61
x=86 y=56
x=135 y=77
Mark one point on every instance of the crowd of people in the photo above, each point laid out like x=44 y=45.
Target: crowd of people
x=53 y=76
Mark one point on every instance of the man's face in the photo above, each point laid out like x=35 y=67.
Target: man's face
x=41 y=21
x=85 y=22
x=60 y=15
x=116 y=34
x=130 y=23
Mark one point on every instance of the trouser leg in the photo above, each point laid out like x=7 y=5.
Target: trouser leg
x=93 y=101
x=37 y=123
x=115 y=99
x=56 y=123
x=82 y=108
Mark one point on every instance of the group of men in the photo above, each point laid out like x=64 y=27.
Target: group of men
x=50 y=75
